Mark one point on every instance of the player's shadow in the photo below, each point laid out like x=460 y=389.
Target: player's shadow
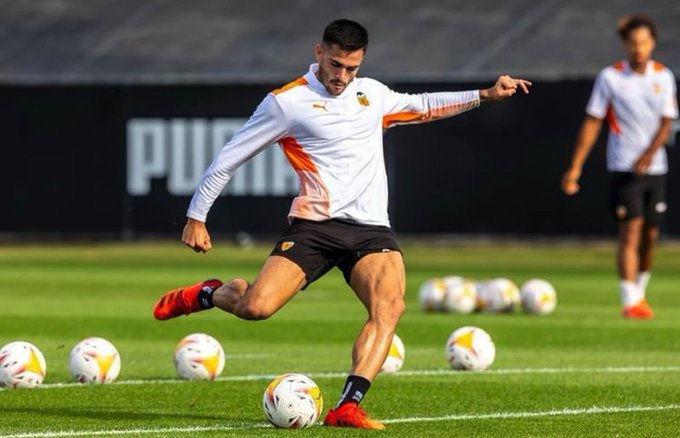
x=104 y=414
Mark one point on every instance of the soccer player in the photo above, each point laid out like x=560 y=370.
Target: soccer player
x=330 y=125
x=637 y=97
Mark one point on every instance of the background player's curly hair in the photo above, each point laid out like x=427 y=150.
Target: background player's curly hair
x=631 y=22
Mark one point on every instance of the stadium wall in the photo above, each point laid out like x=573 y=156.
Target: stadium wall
x=124 y=160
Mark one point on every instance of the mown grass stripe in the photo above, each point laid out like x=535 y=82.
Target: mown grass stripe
x=403 y=373
x=594 y=410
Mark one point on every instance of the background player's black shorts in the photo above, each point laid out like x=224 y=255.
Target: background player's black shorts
x=317 y=247
x=634 y=195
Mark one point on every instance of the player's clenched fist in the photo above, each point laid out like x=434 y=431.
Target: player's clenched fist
x=195 y=236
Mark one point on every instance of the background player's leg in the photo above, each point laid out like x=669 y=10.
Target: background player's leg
x=278 y=281
x=379 y=281
x=628 y=259
x=650 y=235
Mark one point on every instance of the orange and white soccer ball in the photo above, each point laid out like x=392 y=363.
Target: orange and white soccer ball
x=470 y=349
x=22 y=365
x=199 y=357
x=538 y=296
x=395 y=357
x=431 y=294
x=497 y=295
x=460 y=295
x=292 y=401
x=94 y=360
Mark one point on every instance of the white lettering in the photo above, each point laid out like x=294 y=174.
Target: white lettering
x=181 y=149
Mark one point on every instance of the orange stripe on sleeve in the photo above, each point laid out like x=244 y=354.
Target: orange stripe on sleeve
x=297 y=82
x=297 y=157
x=613 y=122
x=407 y=116
x=658 y=66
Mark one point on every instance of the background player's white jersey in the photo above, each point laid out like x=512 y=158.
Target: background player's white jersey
x=334 y=143
x=633 y=104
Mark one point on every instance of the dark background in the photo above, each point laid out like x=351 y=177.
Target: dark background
x=494 y=170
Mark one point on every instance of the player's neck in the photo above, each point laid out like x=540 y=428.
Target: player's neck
x=638 y=67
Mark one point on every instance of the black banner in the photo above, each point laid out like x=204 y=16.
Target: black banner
x=125 y=160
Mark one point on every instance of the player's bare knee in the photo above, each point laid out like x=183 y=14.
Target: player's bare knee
x=390 y=311
x=254 y=309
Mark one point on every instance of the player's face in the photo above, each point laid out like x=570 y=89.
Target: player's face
x=337 y=67
x=639 y=45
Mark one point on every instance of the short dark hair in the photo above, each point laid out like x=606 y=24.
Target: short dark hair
x=346 y=34
x=631 y=22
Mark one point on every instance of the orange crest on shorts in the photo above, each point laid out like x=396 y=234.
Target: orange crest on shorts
x=285 y=246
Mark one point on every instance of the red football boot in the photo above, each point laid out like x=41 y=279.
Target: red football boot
x=351 y=415
x=182 y=301
x=639 y=311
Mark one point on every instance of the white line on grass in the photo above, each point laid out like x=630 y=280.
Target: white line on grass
x=403 y=373
x=595 y=410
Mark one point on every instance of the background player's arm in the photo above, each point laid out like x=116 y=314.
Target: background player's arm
x=590 y=129
x=642 y=164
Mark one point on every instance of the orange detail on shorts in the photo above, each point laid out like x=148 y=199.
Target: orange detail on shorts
x=658 y=66
x=619 y=66
x=297 y=157
x=611 y=119
x=288 y=86
x=407 y=116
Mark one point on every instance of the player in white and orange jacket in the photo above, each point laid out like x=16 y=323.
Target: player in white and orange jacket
x=330 y=125
x=638 y=98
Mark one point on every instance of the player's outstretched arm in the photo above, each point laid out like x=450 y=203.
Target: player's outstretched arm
x=195 y=236
x=504 y=87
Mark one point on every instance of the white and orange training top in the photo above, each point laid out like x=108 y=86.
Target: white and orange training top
x=334 y=143
x=634 y=105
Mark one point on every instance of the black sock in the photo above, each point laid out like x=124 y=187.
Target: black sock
x=205 y=296
x=356 y=388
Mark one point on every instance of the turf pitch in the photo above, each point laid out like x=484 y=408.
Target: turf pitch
x=582 y=371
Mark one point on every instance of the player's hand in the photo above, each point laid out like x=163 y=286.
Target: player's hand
x=570 y=184
x=642 y=164
x=505 y=87
x=195 y=236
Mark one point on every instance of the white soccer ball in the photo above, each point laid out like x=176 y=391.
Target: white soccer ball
x=470 y=349
x=199 y=357
x=292 y=401
x=497 y=295
x=22 y=365
x=431 y=294
x=538 y=296
x=94 y=360
x=460 y=295
x=395 y=358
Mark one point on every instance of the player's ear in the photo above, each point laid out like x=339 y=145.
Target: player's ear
x=318 y=51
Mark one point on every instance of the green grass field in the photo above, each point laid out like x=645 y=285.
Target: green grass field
x=582 y=371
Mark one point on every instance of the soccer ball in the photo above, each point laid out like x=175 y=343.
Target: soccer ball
x=395 y=358
x=470 y=349
x=199 y=357
x=94 y=360
x=497 y=295
x=292 y=401
x=538 y=296
x=431 y=294
x=22 y=365
x=460 y=295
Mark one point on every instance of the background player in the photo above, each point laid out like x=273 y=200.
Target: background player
x=330 y=125
x=637 y=96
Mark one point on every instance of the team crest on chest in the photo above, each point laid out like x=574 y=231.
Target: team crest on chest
x=363 y=100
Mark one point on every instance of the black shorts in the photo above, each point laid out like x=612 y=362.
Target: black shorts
x=634 y=195
x=317 y=247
